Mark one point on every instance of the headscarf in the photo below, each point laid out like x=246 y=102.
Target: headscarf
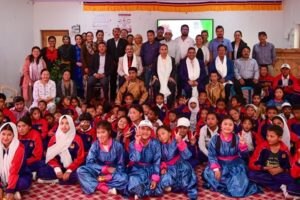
x=7 y=157
x=63 y=141
x=286 y=136
x=194 y=112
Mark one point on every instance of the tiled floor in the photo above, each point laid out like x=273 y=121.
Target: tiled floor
x=74 y=192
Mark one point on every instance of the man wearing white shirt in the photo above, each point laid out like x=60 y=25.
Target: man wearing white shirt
x=100 y=71
x=184 y=41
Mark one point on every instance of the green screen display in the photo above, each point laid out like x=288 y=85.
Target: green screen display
x=195 y=25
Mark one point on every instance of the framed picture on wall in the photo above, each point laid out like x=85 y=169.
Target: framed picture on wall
x=57 y=33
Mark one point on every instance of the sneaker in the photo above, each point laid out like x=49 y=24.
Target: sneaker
x=112 y=191
x=136 y=197
x=52 y=182
x=34 y=176
x=168 y=189
x=17 y=196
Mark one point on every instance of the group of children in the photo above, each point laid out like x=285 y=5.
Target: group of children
x=148 y=150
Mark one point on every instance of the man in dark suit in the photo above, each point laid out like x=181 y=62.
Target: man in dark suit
x=115 y=48
x=100 y=71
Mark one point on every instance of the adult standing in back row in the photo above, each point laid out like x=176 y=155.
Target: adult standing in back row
x=214 y=44
x=149 y=53
x=264 y=52
x=184 y=43
x=116 y=49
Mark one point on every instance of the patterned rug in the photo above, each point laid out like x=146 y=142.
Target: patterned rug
x=74 y=192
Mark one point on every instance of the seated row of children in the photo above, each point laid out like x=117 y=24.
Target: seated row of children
x=116 y=150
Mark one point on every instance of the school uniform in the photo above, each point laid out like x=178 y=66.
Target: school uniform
x=97 y=162
x=180 y=175
x=88 y=137
x=18 y=176
x=261 y=134
x=264 y=157
x=65 y=153
x=163 y=109
x=41 y=126
x=32 y=142
x=295 y=173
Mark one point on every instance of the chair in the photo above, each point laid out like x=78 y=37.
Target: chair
x=98 y=89
x=9 y=92
x=247 y=93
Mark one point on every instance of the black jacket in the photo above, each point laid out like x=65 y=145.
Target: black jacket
x=108 y=66
x=239 y=52
x=116 y=52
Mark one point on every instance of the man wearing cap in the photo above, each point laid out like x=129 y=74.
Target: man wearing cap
x=285 y=80
x=264 y=52
x=173 y=47
x=183 y=127
x=246 y=73
x=134 y=86
x=160 y=33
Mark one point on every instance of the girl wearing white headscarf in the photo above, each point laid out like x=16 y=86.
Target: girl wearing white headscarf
x=64 y=155
x=286 y=136
x=194 y=112
x=15 y=175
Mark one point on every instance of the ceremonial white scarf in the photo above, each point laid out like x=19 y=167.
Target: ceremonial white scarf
x=286 y=136
x=6 y=159
x=164 y=72
x=125 y=63
x=63 y=142
x=221 y=67
x=193 y=73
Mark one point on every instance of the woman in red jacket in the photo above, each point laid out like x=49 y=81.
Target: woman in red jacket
x=15 y=175
x=64 y=155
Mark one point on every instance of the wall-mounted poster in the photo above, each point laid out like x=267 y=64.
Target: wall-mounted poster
x=124 y=22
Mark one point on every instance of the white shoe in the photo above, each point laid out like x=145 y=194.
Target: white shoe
x=52 y=182
x=136 y=197
x=112 y=191
x=34 y=176
x=286 y=194
x=168 y=189
x=17 y=196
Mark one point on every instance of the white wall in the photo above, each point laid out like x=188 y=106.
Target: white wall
x=16 y=19
x=64 y=15
x=291 y=20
